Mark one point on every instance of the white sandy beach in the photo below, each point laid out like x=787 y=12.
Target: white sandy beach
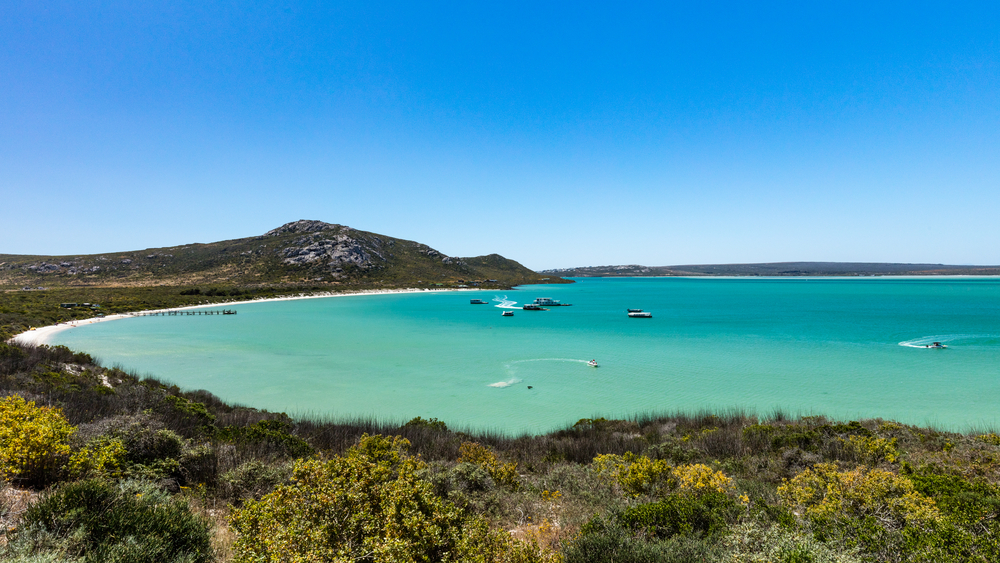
x=42 y=335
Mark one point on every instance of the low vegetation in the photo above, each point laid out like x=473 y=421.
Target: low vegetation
x=118 y=468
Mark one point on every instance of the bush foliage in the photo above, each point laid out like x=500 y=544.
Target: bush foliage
x=369 y=504
x=97 y=521
x=34 y=441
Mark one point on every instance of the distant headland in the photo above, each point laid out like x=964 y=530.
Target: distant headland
x=780 y=269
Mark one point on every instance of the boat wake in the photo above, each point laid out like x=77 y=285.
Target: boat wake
x=505 y=303
x=511 y=369
x=963 y=340
x=508 y=383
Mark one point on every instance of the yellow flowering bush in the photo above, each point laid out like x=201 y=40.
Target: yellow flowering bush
x=991 y=438
x=824 y=492
x=102 y=457
x=636 y=475
x=504 y=474
x=872 y=449
x=371 y=505
x=698 y=479
x=34 y=441
x=641 y=475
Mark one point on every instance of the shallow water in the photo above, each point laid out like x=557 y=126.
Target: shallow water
x=843 y=347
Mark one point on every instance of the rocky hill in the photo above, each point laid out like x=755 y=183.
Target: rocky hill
x=311 y=252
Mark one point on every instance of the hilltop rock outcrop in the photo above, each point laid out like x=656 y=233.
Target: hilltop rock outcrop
x=336 y=251
x=302 y=226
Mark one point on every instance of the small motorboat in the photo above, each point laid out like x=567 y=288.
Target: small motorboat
x=641 y=315
x=935 y=345
x=592 y=363
x=477 y=302
x=633 y=310
x=507 y=314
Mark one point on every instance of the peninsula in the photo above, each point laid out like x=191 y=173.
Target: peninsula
x=303 y=257
x=779 y=269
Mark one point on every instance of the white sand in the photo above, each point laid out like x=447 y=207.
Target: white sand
x=43 y=334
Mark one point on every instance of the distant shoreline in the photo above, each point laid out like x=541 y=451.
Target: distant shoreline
x=43 y=335
x=809 y=276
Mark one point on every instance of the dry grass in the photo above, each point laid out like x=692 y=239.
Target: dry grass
x=13 y=503
x=216 y=513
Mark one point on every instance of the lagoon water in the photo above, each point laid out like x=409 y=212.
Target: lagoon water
x=846 y=348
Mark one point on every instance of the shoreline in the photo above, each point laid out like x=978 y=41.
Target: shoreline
x=41 y=335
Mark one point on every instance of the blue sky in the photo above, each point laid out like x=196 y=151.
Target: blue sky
x=556 y=134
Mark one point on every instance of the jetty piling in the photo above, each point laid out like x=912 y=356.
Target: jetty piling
x=181 y=313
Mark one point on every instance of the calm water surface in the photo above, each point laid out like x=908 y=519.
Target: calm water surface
x=842 y=347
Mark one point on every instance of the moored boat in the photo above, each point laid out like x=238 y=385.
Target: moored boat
x=550 y=302
x=640 y=315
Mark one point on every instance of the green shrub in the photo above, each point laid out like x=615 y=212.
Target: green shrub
x=752 y=542
x=605 y=541
x=504 y=474
x=192 y=408
x=198 y=465
x=99 y=522
x=252 y=480
x=431 y=423
x=144 y=438
x=706 y=514
x=34 y=441
x=8 y=351
x=967 y=503
x=272 y=432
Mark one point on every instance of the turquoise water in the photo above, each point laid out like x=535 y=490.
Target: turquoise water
x=843 y=347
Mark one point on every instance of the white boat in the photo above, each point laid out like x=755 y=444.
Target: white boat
x=641 y=315
x=935 y=345
x=507 y=314
x=592 y=363
x=549 y=302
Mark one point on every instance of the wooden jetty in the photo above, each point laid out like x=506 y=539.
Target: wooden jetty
x=182 y=313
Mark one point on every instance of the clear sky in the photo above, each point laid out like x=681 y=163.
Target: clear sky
x=556 y=134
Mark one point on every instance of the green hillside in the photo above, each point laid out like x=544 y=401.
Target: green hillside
x=310 y=252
